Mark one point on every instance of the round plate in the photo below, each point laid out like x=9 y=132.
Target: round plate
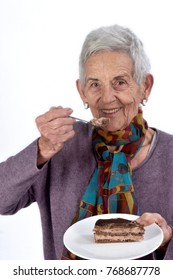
x=79 y=239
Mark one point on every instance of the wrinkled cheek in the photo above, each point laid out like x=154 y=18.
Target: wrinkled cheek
x=131 y=109
x=126 y=99
x=94 y=103
x=95 y=112
x=94 y=107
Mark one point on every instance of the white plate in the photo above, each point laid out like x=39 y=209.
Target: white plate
x=79 y=239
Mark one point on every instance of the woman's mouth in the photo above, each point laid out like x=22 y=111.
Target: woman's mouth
x=109 y=112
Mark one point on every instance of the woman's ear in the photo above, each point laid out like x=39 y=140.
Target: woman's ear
x=80 y=89
x=148 y=84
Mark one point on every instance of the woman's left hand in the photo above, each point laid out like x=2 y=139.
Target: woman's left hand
x=149 y=218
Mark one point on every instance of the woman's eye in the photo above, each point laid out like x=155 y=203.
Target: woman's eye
x=94 y=85
x=120 y=85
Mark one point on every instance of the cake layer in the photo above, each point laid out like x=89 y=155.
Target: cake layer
x=118 y=231
x=115 y=238
x=120 y=222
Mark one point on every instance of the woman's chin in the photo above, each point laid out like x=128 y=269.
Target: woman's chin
x=112 y=128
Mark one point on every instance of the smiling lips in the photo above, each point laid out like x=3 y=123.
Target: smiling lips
x=111 y=111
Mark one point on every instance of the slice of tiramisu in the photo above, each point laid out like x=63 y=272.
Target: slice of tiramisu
x=117 y=230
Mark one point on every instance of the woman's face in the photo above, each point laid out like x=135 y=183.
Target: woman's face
x=110 y=89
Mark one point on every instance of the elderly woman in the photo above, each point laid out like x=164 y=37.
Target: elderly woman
x=75 y=170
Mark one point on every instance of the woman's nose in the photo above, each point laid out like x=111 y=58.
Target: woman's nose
x=108 y=94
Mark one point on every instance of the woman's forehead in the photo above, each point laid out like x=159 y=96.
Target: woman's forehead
x=108 y=63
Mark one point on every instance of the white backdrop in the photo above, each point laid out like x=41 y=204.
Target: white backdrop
x=40 y=42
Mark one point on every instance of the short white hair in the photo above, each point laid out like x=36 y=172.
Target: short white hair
x=115 y=38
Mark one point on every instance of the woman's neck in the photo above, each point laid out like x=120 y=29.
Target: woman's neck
x=142 y=154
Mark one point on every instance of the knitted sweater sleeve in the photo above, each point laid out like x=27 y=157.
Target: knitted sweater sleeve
x=18 y=174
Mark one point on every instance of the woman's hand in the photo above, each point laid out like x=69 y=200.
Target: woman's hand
x=149 y=218
x=56 y=127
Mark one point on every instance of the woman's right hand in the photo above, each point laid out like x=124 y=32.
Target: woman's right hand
x=55 y=127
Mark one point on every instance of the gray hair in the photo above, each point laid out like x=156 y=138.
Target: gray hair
x=115 y=38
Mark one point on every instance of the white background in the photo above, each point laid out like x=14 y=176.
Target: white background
x=40 y=42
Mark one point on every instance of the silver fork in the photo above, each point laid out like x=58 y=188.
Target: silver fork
x=80 y=120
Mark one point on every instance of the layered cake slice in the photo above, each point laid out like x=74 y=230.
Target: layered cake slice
x=117 y=230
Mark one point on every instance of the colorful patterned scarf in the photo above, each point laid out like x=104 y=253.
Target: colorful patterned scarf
x=111 y=189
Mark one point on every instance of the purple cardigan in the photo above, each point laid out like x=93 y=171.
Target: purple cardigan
x=59 y=185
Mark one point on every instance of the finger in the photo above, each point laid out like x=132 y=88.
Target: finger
x=57 y=126
x=52 y=114
x=47 y=131
x=64 y=123
x=54 y=107
x=150 y=218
